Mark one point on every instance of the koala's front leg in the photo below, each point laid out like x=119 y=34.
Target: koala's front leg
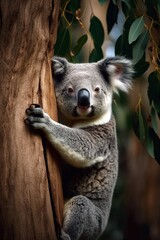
x=77 y=146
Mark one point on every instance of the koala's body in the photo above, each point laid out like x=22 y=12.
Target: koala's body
x=86 y=140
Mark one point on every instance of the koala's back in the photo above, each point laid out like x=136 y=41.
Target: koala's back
x=96 y=182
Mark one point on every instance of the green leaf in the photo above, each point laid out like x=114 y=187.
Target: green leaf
x=154 y=90
x=81 y=41
x=148 y=141
x=154 y=119
x=70 y=10
x=102 y=1
x=152 y=9
x=119 y=46
x=97 y=31
x=122 y=46
x=149 y=145
x=96 y=55
x=138 y=125
x=129 y=3
x=139 y=46
x=141 y=127
x=136 y=29
x=156 y=143
x=62 y=46
x=141 y=67
x=73 y=59
x=128 y=7
x=112 y=15
x=142 y=131
x=115 y=2
x=73 y=5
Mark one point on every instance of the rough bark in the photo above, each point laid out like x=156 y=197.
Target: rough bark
x=30 y=184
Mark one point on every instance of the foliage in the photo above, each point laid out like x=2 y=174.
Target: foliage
x=69 y=20
x=141 y=20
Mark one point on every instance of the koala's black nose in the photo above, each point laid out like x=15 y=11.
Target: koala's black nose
x=83 y=98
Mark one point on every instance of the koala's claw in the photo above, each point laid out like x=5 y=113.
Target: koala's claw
x=35 y=116
x=35 y=110
x=35 y=105
x=32 y=106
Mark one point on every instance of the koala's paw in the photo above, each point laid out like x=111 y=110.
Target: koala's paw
x=36 y=117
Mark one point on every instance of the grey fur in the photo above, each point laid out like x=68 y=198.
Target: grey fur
x=87 y=142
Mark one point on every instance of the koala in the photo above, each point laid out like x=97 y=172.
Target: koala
x=85 y=137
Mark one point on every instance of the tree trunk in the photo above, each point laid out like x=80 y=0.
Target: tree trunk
x=30 y=183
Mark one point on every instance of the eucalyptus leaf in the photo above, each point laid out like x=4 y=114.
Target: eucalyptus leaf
x=96 y=55
x=141 y=67
x=148 y=143
x=156 y=142
x=136 y=29
x=70 y=10
x=97 y=31
x=80 y=43
x=122 y=46
x=102 y=1
x=138 y=53
x=154 y=90
x=139 y=46
x=118 y=46
x=112 y=15
x=130 y=3
x=127 y=3
x=141 y=130
x=73 y=59
x=152 y=9
x=141 y=127
x=62 y=46
x=154 y=119
x=74 y=5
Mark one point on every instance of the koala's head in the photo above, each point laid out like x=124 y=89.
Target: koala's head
x=84 y=91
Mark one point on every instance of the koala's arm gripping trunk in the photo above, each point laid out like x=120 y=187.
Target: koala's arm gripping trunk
x=80 y=147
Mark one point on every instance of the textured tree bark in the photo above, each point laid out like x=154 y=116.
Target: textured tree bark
x=30 y=183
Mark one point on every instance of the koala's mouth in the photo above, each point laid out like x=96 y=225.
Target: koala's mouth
x=80 y=111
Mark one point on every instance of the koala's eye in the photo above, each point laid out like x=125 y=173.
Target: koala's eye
x=70 y=90
x=97 y=89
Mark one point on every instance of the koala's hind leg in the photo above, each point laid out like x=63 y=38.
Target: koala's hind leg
x=82 y=220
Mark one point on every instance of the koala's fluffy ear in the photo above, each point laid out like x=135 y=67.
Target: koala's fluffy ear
x=118 y=72
x=59 y=65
